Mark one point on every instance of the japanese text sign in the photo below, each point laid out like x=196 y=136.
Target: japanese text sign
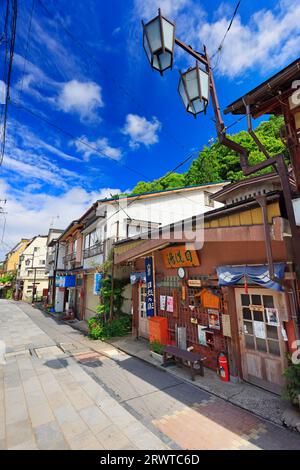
x=179 y=256
x=149 y=287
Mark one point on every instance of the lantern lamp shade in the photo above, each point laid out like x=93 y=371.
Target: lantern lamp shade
x=194 y=90
x=158 y=41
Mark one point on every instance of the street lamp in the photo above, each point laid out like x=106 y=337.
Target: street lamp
x=193 y=88
x=158 y=42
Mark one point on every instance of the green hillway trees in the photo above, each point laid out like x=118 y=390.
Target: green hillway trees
x=217 y=163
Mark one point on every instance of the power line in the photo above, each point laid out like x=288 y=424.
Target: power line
x=220 y=47
x=9 y=71
x=27 y=47
x=76 y=139
x=107 y=72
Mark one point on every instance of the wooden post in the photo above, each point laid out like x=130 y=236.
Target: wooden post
x=111 y=309
x=154 y=284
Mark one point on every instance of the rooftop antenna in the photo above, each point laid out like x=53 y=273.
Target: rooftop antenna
x=52 y=219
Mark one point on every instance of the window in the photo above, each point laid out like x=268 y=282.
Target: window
x=75 y=246
x=36 y=248
x=42 y=261
x=92 y=238
x=207 y=199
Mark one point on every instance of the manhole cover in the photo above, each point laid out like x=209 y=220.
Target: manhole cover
x=49 y=351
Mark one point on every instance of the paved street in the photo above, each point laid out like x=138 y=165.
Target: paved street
x=60 y=390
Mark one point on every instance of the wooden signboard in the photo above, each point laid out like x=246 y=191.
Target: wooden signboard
x=194 y=283
x=226 y=326
x=179 y=256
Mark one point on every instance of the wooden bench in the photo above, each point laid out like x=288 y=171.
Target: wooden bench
x=180 y=355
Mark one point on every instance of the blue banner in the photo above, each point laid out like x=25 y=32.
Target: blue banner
x=97 y=283
x=65 y=281
x=230 y=275
x=149 y=287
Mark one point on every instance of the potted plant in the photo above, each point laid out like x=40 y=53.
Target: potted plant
x=156 y=350
x=292 y=387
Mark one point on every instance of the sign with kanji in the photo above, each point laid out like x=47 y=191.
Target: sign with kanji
x=149 y=286
x=180 y=256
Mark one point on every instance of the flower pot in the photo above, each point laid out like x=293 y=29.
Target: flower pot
x=158 y=357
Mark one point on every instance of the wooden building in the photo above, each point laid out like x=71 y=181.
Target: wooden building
x=221 y=293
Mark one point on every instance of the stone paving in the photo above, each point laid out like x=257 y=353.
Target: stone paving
x=50 y=402
x=88 y=394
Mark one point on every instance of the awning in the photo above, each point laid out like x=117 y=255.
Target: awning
x=230 y=275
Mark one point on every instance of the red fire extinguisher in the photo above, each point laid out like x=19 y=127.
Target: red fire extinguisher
x=223 y=367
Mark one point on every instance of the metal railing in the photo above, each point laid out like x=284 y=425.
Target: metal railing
x=93 y=250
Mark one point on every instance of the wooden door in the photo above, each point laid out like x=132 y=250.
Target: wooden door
x=143 y=319
x=261 y=341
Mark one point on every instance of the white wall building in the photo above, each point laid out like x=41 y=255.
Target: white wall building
x=32 y=274
x=118 y=218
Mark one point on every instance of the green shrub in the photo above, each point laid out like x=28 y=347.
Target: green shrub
x=157 y=347
x=292 y=387
x=119 y=326
x=9 y=294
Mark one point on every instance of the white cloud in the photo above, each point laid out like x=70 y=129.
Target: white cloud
x=83 y=98
x=147 y=9
x=30 y=157
x=263 y=43
x=88 y=148
x=74 y=96
x=141 y=131
x=29 y=214
x=2 y=92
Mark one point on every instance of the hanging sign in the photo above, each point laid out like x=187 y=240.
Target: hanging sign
x=149 y=286
x=179 y=256
x=272 y=316
x=170 y=304
x=162 y=302
x=259 y=329
x=214 y=319
x=194 y=283
x=97 y=283
x=226 y=326
x=137 y=277
x=202 y=335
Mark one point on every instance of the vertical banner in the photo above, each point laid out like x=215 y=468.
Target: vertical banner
x=149 y=286
x=97 y=283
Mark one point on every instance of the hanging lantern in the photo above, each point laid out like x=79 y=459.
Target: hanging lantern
x=158 y=42
x=194 y=90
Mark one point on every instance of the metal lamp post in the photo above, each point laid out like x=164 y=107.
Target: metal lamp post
x=196 y=86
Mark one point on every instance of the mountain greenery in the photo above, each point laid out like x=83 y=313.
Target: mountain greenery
x=217 y=162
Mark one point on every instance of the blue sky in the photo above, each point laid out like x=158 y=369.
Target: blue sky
x=104 y=93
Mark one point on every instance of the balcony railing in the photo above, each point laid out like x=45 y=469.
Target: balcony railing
x=93 y=250
x=70 y=257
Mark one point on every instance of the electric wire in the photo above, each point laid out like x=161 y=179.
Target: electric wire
x=219 y=50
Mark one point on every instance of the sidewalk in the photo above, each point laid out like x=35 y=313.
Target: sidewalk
x=244 y=395
x=49 y=401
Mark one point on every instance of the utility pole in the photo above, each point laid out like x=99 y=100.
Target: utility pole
x=34 y=278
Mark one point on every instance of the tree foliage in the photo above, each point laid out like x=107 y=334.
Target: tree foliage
x=217 y=162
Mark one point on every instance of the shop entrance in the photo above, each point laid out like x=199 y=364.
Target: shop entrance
x=261 y=338
x=143 y=319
